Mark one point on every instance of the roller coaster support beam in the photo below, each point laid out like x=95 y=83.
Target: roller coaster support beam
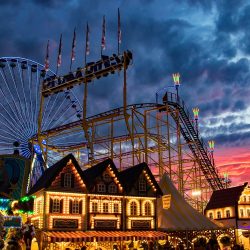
x=126 y=115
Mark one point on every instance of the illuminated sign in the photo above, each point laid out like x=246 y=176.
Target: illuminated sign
x=166 y=201
x=65 y=223
x=111 y=224
x=140 y=224
x=12 y=221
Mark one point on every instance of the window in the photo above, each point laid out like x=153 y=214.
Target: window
x=75 y=207
x=244 y=198
x=94 y=207
x=147 y=209
x=241 y=213
x=227 y=213
x=142 y=185
x=218 y=215
x=101 y=188
x=248 y=198
x=133 y=208
x=112 y=188
x=248 y=212
x=106 y=177
x=67 y=180
x=105 y=207
x=116 y=208
x=210 y=215
x=56 y=206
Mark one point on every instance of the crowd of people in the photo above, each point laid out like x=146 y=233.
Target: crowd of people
x=18 y=238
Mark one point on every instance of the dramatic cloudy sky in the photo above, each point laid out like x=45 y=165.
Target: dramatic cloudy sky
x=208 y=42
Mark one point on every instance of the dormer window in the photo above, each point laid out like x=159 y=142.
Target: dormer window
x=142 y=185
x=112 y=189
x=106 y=177
x=210 y=216
x=67 y=180
x=101 y=188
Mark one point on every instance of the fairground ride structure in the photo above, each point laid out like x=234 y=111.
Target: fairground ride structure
x=160 y=134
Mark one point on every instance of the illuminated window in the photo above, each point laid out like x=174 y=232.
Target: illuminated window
x=116 y=208
x=133 y=208
x=210 y=215
x=105 y=207
x=67 y=180
x=142 y=185
x=227 y=213
x=112 y=188
x=219 y=215
x=94 y=207
x=75 y=207
x=241 y=213
x=56 y=206
x=147 y=208
x=101 y=188
x=248 y=212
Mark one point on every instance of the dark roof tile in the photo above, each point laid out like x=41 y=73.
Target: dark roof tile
x=50 y=174
x=225 y=197
x=129 y=176
x=93 y=172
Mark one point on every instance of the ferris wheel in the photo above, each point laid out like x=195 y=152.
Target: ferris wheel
x=20 y=90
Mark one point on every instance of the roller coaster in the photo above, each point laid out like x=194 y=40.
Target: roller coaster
x=160 y=134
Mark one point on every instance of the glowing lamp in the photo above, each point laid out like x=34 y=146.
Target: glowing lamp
x=196 y=113
x=211 y=145
x=196 y=192
x=176 y=78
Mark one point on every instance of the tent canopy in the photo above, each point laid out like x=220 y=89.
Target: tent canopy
x=180 y=215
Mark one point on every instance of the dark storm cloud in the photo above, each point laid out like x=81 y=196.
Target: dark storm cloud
x=50 y=3
x=199 y=39
x=235 y=139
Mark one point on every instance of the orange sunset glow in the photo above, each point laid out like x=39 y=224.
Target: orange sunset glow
x=234 y=161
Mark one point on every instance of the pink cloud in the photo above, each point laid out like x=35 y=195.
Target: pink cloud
x=234 y=161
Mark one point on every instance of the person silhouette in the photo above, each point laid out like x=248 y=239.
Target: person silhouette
x=28 y=233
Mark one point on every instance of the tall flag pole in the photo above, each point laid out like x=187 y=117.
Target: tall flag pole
x=103 y=44
x=87 y=49
x=46 y=64
x=59 y=57
x=73 y=56
x=119 y=32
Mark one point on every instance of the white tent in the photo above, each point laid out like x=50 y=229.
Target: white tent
x=180 y=215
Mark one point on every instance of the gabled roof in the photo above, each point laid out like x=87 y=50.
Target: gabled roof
x=92 y=173
x=51 y=173
x=129 y=176
x=225 y=197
